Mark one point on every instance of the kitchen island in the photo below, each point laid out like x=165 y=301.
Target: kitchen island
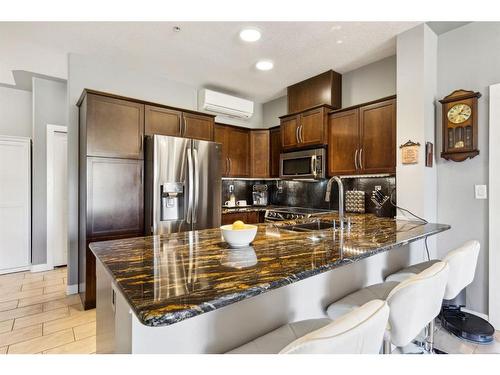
x=190 y=293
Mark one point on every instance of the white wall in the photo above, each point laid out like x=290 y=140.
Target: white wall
x=272 y=110
x=370 y=82
x=468 y=58
x=15 y=112
x=416 y=92
x=49 y=107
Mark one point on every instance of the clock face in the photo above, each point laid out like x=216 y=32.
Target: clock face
x=459 y=113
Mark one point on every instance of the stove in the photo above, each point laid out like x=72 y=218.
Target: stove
x=292 y=213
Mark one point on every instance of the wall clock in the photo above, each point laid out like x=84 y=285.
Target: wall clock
x=460 y=125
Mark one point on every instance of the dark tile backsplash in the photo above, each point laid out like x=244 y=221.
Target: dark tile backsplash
x=310 y=194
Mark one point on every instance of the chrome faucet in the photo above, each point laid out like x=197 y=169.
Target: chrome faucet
x=328 y=194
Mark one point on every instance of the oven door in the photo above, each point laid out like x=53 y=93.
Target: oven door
x=308 y=164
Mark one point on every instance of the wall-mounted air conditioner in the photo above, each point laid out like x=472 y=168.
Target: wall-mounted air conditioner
x=225 y=105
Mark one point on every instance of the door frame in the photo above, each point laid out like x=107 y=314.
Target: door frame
x=51 y=130
x=494 y=206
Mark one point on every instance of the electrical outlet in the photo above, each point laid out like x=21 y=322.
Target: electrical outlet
x=481 y=191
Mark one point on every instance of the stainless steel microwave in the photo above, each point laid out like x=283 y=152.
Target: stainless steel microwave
x=306 y=164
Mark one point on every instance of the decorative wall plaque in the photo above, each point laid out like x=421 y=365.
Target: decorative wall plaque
x=409 y=152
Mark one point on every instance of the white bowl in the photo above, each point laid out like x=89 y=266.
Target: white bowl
x=238 y=237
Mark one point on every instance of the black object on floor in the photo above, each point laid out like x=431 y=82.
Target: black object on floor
x=466 y=326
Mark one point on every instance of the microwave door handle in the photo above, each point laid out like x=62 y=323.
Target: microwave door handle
x=190 y=187
x=196 y=185
x=313 y=166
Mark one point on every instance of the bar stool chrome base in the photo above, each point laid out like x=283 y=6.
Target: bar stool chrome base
x=466 y=326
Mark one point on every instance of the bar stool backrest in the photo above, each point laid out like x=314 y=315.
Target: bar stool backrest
x=415 y=302
x=359 y=332
x=462 y=262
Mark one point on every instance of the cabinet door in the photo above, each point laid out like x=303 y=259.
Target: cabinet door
x=259 y=145
x=289 y=136
x=343 y=143
x=220 y=136
x=231 y=217
x=378 y=137
x=162 y=121
x=238 y=144
x=312 y=127
x=198 y=126
x=114 y=197
x=275 y=144
x=115 y=127
x=252 y=217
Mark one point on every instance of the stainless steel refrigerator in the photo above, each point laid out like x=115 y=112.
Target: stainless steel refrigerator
x=182 y=184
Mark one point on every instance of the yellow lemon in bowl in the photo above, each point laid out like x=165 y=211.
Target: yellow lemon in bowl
x=238 y=225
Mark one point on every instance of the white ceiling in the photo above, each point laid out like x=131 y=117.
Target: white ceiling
x=210 y=54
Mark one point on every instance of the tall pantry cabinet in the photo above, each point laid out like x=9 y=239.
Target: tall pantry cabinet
x=111 y=178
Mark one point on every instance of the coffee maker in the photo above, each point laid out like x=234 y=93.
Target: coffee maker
x=259 y=195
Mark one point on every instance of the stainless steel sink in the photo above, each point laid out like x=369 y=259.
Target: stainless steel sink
x=314 y=226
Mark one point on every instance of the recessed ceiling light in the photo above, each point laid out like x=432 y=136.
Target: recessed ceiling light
x=264 y=65
x=340 y=41
x=176 y=29
x=250 y=35
x=335 y=27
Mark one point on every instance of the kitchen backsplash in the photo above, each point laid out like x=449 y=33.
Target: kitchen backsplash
x=309 y=194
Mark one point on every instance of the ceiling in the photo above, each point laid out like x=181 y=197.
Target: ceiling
x=441 y=27
x=210 y=54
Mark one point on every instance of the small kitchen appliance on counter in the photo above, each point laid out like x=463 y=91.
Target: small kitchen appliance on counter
x=260 y=195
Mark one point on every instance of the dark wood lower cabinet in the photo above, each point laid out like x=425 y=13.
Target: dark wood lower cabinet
x=252 y=217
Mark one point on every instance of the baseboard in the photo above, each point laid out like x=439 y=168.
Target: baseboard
x=14 y=270
x=72 y=289
x=41 y=267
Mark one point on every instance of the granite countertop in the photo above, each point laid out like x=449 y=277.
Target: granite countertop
x=170 y=278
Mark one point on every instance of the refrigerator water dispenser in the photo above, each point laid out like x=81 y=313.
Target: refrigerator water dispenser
x=172 y=201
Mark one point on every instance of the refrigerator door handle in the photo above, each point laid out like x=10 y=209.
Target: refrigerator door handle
x=196 y=185
x=190 y=188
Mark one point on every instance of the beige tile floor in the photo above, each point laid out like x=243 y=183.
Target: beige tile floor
x=36 y=315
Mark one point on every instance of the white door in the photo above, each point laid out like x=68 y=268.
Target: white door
x=15 y=204
x=59 y=206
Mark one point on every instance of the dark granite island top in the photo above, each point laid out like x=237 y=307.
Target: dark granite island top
x=170 y=278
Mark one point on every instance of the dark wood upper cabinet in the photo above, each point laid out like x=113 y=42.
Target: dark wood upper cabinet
x=289 y=131
x=275 y=150
x=115 y=204
x=305 y=129
x=362 y=140
x=235 y=150
x=114 y=127
x=378 y=137
x=259 y=153
x=325 y=88
x=198 y=126
x=165 y=121
x=343 y=143
x=162 y=121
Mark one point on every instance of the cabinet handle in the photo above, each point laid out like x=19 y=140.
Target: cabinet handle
x=180 y=125
x=301 y=133
x=297 y=134
x=360 y=159
x=356 y=159
x=183 y=126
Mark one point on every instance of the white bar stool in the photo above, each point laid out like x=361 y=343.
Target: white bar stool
x=413 y=303
x=462 y=262
x=359 y=332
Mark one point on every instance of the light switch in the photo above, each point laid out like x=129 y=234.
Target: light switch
x=481 y=191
